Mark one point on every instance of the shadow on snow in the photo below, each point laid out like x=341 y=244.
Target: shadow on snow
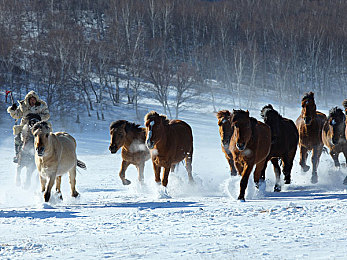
x=37 y=214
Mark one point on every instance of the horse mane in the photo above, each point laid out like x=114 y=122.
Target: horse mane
x=41 y=125
x=153 y=114
x=308 y=95
x=336 y=112
x=223 y=113
x=129 y=126
x=268 y=109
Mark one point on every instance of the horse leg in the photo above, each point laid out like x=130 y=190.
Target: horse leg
x=72 y=179
x=49 y=186
x=335 y=157
x=258 y=172
x=345 y=154
x=157 y=170
x=166 y=176
x=244 y=180
x=189 y=159
x=233 y=171
x=316 y=153
x=262 y=173
x=123 y=168
x=57 y=187
x=303 y=158
x=277 y=171
x=288 y=165
x=18 y=172
x=43 y=183
x=140 y=167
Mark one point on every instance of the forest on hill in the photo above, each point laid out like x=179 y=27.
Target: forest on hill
x=84 y=55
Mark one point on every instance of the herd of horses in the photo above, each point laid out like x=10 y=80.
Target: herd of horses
x=245 y=141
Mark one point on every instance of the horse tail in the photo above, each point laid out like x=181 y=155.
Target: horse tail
x=81 y=164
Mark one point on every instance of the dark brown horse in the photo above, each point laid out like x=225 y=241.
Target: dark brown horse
x=170 y=142
x=131 y=138
x=225 y=132
x=310 y=124
x=284 y=142
x=249 y=145
x=333 y=134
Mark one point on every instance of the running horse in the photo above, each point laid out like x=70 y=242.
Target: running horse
x=310 y=124
x=333 y=134
x=225 y=132
x=55 y=155
x=250 y=145
x=284 y=142
x=344 y=103
x=26 y=155
x=170 y=142
x=131 y=138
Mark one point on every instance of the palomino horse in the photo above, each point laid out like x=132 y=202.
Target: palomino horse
x=344 y=103
x=55 y=155
x=309 y=125
x=225 y=132
x=333 y=134
x=131 y=138
x=26 y=155
x=284 y=142
x=250 y=145
x=170 y=141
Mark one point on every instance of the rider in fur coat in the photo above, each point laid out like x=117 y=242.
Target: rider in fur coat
x=31 y=104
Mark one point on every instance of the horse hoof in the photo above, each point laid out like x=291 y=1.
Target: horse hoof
x=126 y=182
x=287 y=181
x=241 y=198
x=314 y=179
x=277 y=188
x=47 y=196
x=345 y=181
x=75 y=194
x=305 y=168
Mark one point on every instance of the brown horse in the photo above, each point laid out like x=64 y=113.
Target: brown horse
x=131 y=138
x=333 y=134
x=310 y=124
x=250 y=145
x=170 y=141
x=284 y=142
x=225 y=132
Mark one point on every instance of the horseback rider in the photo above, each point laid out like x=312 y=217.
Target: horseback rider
x=31 y=104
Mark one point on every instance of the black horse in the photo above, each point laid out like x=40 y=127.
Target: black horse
x=26 y=155
x=284 y=142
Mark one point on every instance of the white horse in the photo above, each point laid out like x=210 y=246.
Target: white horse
x=55 y=155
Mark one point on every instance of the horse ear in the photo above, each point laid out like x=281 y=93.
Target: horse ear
x=247 y=112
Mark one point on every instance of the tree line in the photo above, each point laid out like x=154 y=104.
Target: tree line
x=90 y=54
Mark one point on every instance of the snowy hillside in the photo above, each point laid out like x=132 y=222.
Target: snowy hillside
x=204 y=221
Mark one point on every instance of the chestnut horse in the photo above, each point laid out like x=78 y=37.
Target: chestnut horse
x=55 y=155
x=333 y=134
x=310 y=124
x=131 y=138
x=284 y=142
x=170 y=141
x=225 y=132
x=250 y=145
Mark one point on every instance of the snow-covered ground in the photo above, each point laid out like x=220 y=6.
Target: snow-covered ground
x=204 y=221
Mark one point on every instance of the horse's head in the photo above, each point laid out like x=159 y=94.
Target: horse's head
x=308 y=105
x=225 y=129
x=272 y=118
x=32 y=119
x=154 y=124
x=42 y=132
x=241 y=123
x=336 y=122
x=118 y=135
